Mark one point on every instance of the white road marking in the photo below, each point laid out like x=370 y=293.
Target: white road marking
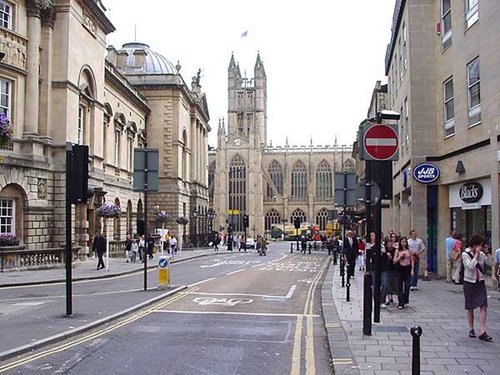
x=232 y=273
x=238 y=294
x=230 y=313
x=230 y=302
x=290 y=292
x=201 y=282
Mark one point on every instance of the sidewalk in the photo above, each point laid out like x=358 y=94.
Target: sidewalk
x=32 y=318
x=437 y=307
x=86 y=270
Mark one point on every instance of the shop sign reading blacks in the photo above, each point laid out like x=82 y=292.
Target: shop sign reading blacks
x=471 y=192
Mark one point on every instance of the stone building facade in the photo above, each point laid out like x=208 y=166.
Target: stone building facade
x=270 y=184
x=442 y=70
x=57 y=86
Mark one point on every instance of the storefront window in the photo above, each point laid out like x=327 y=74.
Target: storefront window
x=470 y=222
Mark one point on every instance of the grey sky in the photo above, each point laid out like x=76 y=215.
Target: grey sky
x=322 y=57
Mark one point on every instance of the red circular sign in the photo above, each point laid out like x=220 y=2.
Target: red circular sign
x=381 y=142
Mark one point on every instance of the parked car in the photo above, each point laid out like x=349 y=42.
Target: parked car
x=250 y=243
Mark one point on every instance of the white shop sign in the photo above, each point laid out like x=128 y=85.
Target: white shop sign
x=458 y=190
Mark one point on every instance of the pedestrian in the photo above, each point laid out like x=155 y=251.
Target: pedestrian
x=417 y=247
x=474 y=260
x=361 y=254
x=458 y=269
x=369 y=251
x=391 y=244
x=128 y=248
x=134 y=251
x=150 y=244
x=404 y=262
x=448 y=245
x=173 y=246
x=242 y=243
x=350 y=253
x=166 y=242
x=384 y=266
x=496 y=269
x=99 y=247
x=142 y=248
x=303 y=245
x=217 y=240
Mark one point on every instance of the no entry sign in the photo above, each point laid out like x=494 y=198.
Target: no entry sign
x=380 y=142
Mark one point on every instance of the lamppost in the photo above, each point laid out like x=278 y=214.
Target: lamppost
x=194 y=216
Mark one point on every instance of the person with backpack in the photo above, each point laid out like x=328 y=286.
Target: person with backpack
x=474 y=260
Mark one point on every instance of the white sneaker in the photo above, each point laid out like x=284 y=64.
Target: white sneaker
x=383 y=305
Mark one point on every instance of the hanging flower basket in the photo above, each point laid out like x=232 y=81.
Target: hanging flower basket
x=163 y=216
x=7 y=239
x=5 y=129
x=109 y=210
x=182 y=220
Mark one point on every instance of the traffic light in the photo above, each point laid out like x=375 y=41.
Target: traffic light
x=246 y=221
x=79 y=175
x=296 y=222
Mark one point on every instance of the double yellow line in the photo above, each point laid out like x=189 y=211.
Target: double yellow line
x=92 y=336
x=308 y=313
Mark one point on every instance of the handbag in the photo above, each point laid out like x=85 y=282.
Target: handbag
x=454 y=254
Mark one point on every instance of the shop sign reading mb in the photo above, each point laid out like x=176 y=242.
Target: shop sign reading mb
x=471 y=192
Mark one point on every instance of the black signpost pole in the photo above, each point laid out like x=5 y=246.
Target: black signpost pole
x=145 y=190
x=68 y=253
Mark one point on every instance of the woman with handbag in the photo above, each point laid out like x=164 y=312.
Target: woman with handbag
x=474 y=260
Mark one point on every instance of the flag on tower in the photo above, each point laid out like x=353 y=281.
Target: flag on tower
x=245 y=34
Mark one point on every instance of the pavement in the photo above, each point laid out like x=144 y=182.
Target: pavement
x=437 y=307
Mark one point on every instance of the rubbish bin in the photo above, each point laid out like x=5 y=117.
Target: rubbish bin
x=163 y=272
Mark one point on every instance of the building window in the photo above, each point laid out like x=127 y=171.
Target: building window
x=446 y=23
x=449 y=110
x=272 y=219
x=117 y=148
x=322 y=218
x=7 y=218
x=474 y=92
x=5 y=15
x=79 y=130
x=237 y=192
x=405 y=123
x=324 y=184
x=471 y=12
x=130 y=152
x=5 y=89
x=299 y=181
x=276 y=174
x=298 y=213
x=404 y=46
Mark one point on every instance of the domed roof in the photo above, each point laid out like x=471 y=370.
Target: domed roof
x=153 y=62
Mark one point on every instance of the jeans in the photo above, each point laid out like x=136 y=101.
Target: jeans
x=384 y=285
x=414 y=279
x=404 y=279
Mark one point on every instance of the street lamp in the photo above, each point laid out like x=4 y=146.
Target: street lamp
x=211 y=216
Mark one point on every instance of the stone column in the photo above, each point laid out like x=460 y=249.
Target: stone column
x=32 y=67
x=45 y=118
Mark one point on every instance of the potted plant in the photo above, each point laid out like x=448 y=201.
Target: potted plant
x=8 y=239
x=5 y=129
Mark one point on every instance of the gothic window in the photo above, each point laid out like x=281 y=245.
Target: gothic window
x=322 y=218
x=237 y=192
x=298 y=213
x=324 y=184
x=275 y=172
x=272 y=218
x=239 y=124
x=211 y=178
x=299 y=181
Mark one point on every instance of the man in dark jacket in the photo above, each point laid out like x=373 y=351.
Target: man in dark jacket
x=99 y=247
x=350 y=252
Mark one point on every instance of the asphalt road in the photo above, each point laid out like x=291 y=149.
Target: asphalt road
x=242 y=314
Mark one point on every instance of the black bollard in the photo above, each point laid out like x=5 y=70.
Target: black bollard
x=348 y=286
x=416 y=332
x=342 y=271
x=291 y=247
x=367 y=304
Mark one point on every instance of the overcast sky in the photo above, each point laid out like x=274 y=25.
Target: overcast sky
x=322 y=57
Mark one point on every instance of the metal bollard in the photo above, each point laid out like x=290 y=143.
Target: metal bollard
x=416 y=332
x=367 y=304
x=291 y=247
x=342 y=271
x=348 y=286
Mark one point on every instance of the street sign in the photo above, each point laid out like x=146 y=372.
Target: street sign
x=345 y=185
x=141 y=172
x=380 y=142
x=426 y=173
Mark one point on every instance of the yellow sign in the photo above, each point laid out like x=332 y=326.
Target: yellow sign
x=163 y=272
x=233 y=212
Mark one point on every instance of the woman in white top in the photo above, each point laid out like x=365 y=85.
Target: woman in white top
x=473 y=260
